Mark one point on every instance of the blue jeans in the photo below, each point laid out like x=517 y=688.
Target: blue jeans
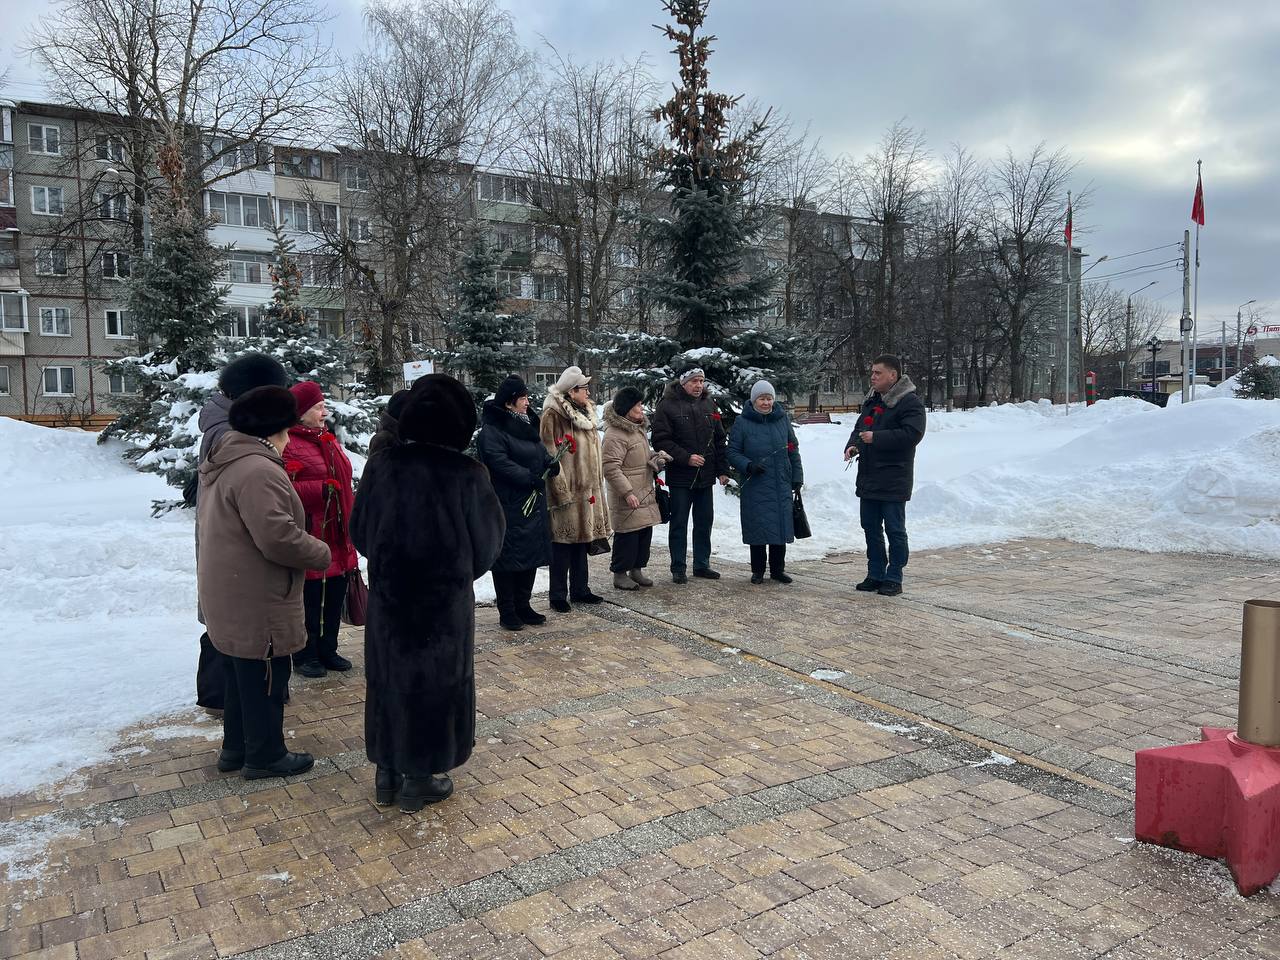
x=881 y=517
x=685 y=500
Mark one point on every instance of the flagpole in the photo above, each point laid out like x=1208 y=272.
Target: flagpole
x=1067 y=392
x=1195 y=296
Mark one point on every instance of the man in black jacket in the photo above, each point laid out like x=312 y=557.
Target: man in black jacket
x=891 y=424
x=687 y=426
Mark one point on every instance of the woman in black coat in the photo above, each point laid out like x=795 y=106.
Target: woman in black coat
x=510 y=447
x=428 y=520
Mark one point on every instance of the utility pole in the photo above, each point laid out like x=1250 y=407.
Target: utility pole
x=1223 y=378
x=1186 y=322
x=1068 y=338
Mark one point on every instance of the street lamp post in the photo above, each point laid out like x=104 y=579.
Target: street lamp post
x=1154 y=345
x=1128 y=322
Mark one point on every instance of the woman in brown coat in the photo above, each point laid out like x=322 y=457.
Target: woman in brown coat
x=254 y=553
x=631 y=466
x=576 y=496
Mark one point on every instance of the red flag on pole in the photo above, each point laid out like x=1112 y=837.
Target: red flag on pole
x=1197 y=205
x=1067 y=232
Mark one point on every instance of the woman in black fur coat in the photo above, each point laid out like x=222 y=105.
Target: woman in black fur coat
x=428 y=520
x=509 y=445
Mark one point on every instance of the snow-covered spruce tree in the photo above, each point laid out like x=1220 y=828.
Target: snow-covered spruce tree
x=1259 y=380
x=701 y=278
x=487 y=345
x=173 y=299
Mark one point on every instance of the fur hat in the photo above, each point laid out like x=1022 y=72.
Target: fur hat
x=252 y=370
x=627 y=398
x=511 y=390
x=571 y=379
x=307 y=394
x=440 y=411
x=760 y=389
x=263 y=411
x=395 y=406
x=690 y=374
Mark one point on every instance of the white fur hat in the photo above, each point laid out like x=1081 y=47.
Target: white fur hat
x=571 y=379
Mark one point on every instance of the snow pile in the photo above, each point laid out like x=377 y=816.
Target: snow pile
x=99 y=602
x=1201 y=477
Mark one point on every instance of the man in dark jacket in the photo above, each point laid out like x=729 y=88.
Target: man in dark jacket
x=687 y=427
x=891 y=424
x=236 y=379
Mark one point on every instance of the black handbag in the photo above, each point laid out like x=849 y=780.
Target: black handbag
x=598 y=547
x=798 y=518
x=662 y=497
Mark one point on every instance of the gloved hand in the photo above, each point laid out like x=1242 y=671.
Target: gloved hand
x=795 y=487
x=537 y=482
x=755 y=468
x=554 y=470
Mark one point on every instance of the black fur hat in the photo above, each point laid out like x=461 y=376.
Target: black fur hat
x=511 y=390
x=395 y=406
x=252 y=370
x=263 y=411
x=440 y=411
x=627 y=398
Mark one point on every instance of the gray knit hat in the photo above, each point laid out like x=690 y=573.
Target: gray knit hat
x=690 y=374
x=760 y=389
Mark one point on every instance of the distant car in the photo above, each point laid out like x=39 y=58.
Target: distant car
x=1159 y=399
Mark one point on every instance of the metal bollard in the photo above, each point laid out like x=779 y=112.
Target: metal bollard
x=1260 y=674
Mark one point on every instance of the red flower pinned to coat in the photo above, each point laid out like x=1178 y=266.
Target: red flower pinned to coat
x=868 y=420
x=716 y=417
x=660 y=481
x=293 y=467
x=591 y=499
x=877 y=410
x=791 y=448
x=333 y=484
x=328 y=437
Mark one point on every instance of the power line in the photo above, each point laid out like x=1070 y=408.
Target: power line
x=1139 y=253
x=1136 y=271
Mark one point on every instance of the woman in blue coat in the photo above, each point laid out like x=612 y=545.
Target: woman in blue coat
x=510 y=446
x=764 y=451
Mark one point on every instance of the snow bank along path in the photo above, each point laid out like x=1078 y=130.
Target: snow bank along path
x=99 y=629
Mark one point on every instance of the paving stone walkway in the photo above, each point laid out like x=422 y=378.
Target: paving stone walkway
x=664 y=776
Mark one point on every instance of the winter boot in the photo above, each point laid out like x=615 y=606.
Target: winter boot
x=312 y=668
x=780 y=577
x=530 y=617
x=229 y=760
x=757 y=578
x=638 y=576
x=623 y=582
x=869 y=586
x=336 y=662
x=589 y=597
x=560 y=605
x=290 y=765
x=416 y=793
x=890 y=588
x=386 y=784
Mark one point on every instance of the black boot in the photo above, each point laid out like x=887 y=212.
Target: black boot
x=386 y=784
x=290 y=765
x=336 y=662
x=869 y=586
x=504 y=592
x=524 y=593
x=416 y=792
x=230 y=760
x=312 y=668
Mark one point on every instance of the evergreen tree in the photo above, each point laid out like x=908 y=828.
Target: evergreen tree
x=173 y=301
x=1260 y=380
x=487 y=345
x=701 y=277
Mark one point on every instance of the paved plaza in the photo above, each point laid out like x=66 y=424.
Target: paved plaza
x=715 y=770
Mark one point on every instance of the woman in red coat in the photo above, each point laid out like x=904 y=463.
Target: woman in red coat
x=321 y=473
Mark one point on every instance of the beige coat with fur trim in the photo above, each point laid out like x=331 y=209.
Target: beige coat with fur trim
x=630 y=466
x=576 y=496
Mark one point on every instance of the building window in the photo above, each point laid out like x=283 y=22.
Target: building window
x=109 y=148
x=13 y=314
x=510 y=236
x=115 y=266
x=119 y=325
x=307 y=165
x=239 y=209
x=308 y=217
x=546 y=380
x=546 y=240
x=59 y=381
x=361 y=231
x=4 y=381
x=55 y=321
x=51 y=262
x=6 y=175
x=548 y=286
x=113 y=206
x=328 y=324
x=244 y=322
x=317 y=270
x=509 y=283
x=42 y=138
x=237 y=156
x=119 y=383
x=355 y=177
x=499 y=189
x=46 y=201
x=624 y=255
x=8 y=252
x=248 y=267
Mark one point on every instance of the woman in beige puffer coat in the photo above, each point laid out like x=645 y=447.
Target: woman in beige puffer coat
x=630 y=468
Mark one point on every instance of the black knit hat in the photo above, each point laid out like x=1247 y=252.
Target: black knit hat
x=263 y=411
x=627 y=398
x=511 y=390
x=252 y=370
x=440 y=411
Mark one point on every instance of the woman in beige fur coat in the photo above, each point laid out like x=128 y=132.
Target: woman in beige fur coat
x=630 y=468
x=575 y=497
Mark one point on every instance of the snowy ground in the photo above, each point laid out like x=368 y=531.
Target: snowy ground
x=99 y=598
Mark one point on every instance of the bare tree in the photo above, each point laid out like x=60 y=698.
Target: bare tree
x=583 y=159
x=432 y=96
x=1101 y=321
x=1025 y=209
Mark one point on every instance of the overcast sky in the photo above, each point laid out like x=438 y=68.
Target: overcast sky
x=1136 y=91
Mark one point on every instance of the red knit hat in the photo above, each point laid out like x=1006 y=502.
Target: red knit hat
x=307 y=394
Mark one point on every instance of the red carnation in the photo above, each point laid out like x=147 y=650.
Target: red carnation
x=328 y=437
x=293 y=466
x=791 y=447
x=868 y=420
x=333 y=484
x=591 y=499
x=660 y=481
x=879 y=410
x=715 y=416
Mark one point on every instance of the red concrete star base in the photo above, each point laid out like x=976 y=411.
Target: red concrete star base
x=1219 y=798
